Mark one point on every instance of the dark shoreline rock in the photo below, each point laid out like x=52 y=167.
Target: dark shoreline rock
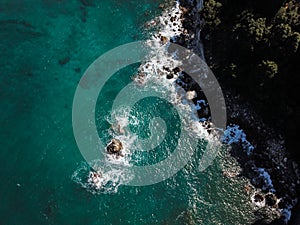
x=271 y=199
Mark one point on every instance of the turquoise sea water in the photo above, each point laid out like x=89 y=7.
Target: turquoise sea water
x=45 y=48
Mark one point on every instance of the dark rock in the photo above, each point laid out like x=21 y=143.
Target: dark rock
x=170 y=76
x=271 y=199
x=177 y=70
x=163 y=39
x=258 y=197
x=114 y=147
x=166 y=69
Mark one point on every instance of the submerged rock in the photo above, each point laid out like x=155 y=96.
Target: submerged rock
x=163 y=39
x=87 y=2
x=64 y=60
x=95 y=179
x=271 y=199
x=114 y=147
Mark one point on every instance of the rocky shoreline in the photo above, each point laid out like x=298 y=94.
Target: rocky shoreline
x=269 y=167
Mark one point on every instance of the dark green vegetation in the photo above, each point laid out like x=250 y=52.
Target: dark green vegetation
x=253 y=46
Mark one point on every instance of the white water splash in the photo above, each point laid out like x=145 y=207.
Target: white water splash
x=287 y=213
x=268 y=185
x=109 y=182
x=233 y=134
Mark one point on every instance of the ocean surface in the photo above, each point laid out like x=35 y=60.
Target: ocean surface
x=45 y=48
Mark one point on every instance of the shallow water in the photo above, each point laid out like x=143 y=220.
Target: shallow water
x=45 y=48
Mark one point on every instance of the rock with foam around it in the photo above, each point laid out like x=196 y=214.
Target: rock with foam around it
x=114 y=147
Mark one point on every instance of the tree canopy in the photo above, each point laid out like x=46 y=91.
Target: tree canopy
x=254 y=47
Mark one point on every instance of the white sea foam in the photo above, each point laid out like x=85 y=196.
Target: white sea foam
x=107 y=184
x=170 y=29
x=259 y=204
x=268 y=185
x=114 y=173
x=233 y=134
x=287 y=213
x=120 y=120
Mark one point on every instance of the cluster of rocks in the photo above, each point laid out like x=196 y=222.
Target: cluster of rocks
x=178 y=26
x=192 y=89
x=96 y=178
x=171 y=22
x=269 y=153
x=269 y=199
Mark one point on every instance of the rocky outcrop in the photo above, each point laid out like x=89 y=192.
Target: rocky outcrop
x=114 y=147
